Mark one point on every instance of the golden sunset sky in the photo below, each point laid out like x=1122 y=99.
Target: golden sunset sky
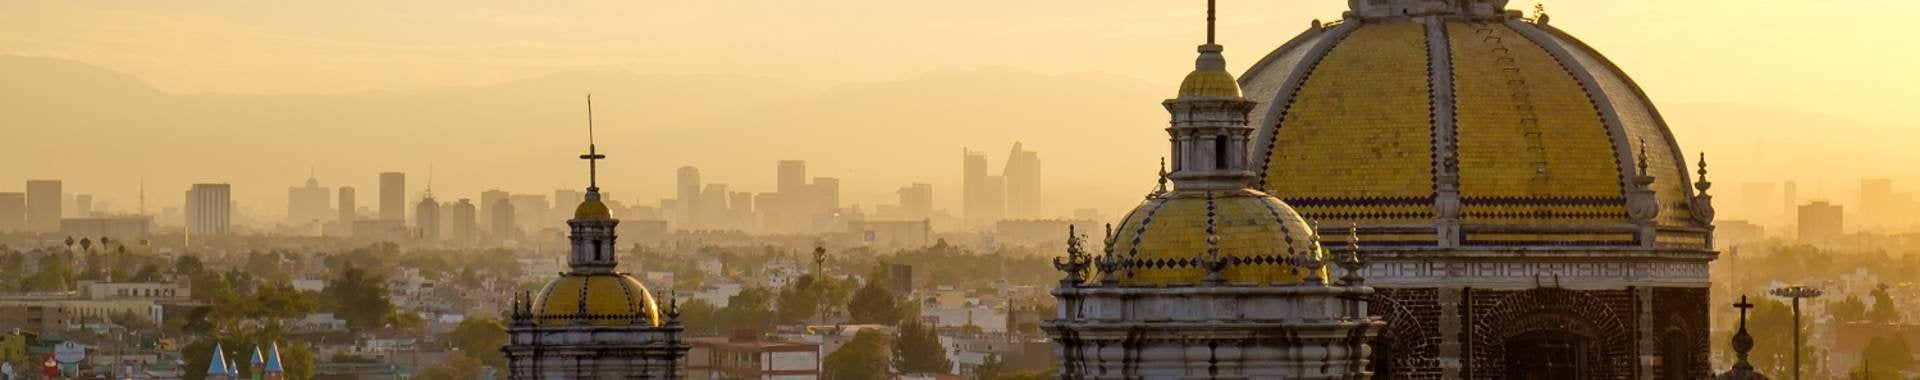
x=1819 y=91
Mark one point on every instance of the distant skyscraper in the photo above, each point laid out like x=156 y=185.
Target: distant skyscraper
x=788 y=212
x=426 y=218
x=825 y=194
x=792 y=177
x=83 y=205
x=1821 y=222
x=1791 y=194
x=687 y=196
x=710 y=209
x=529 y=212
x=982 y=197
x=13 y=212
x=916 y=201
x=487 y=200
x=459 y=222
x=502 y=220
x=1023 y=183
x=347 y=214
x=740 y=209
x=1878 y=206
x=310 y=203
x=393 y=196
x=209 y=209
x=43 y=206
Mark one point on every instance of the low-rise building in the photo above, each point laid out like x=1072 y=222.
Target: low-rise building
x=744 y=355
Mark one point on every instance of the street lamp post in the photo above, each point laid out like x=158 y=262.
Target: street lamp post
x=1796 y=293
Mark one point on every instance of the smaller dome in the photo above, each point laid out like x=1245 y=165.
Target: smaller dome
x=1209 y=84
x=1164 y=238
x=598 y=299
x=1210 y=78
x=592 y=209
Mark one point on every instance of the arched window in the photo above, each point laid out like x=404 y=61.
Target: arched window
x=1676 y=356
x=1546 y=354
x=1220 y=152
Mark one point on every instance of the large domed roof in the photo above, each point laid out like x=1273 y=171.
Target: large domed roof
x=596 y=299
x=1398 y=118
x=1166 y=239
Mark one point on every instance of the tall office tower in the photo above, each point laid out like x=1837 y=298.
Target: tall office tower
x=209 y=209
x=1023 y=183
x=789 y=213
x=426 y=218
x=916 y=201
x=1792 y=197
x=766 y=207
x=83 y=205
x=981 y=199
x=562 y=201
x=347 y=215
x=43 y=206
x=687 y=196
x=825 y=194
x=740 y=210
x=458 y=224
x=308 y=204
x=487 y=200
x=502 y=220
x=13 y=212
x=529 y=212
x=1821 y=222
x=393 y=196
x=1878 y=207
x=711 y=207
x=792 y=177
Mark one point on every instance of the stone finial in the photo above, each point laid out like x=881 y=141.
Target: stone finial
x=1311 y=260
x=1703 y=212
x=1163 y=179
x=1352 y=263
x=1642 y=208
x=1540 y=13
x=673 y=309
x=1109 y=264
x=1075 y=263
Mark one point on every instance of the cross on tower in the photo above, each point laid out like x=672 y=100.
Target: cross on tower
x=1743 y=305
x=593 y=157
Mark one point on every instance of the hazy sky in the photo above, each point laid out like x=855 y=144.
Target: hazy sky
x=1853 y=62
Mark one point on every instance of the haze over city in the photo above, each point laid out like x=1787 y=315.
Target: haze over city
x=490 y=94
x=943 y=190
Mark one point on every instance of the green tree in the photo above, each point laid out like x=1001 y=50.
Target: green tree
x=699 y=317
x=990 y=369
x=800 y=300
x=297 y=360
x=52 y=275
x=1884 y=311
x=874 y=304
x=480 y=339
x=361 y=298
x=751 y=309
x=863 y=358
x=916 y=349
x=1771 y=323
x=1847 y=309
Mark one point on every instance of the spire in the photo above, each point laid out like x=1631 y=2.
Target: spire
x=1210 y=22
x=1702 y=183
x=218 y=365
x=593 y=157
x=273 y=368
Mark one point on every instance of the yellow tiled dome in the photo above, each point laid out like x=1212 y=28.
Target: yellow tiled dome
x=1357 y=123
x=592 y=209
x=600 y=299
x=1209 y=84
x=1163 y=239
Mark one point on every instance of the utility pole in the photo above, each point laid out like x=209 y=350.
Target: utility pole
x=1796 y=293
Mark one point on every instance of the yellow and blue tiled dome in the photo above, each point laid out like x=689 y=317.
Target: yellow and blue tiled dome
x=1377 y=121
x=1165 y=240
x=597 y=299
